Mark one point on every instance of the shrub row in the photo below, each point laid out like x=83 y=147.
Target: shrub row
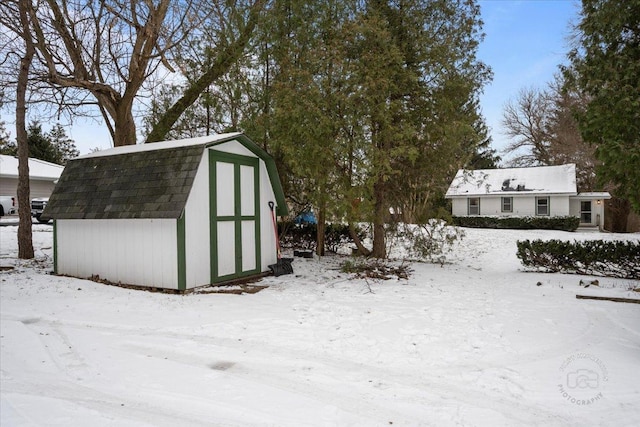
x=566 y=223
x=303 y=236
x=594 y=257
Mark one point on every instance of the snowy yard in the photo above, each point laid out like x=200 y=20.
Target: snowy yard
x=473 y=343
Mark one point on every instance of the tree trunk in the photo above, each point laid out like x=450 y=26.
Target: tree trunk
x=320 y=230
x=380 y=215
x=25 y=242
x=354 y=236
x=125 y=126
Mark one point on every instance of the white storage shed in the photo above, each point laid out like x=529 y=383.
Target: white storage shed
x=173 y=214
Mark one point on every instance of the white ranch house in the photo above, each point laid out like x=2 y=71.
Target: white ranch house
x=42 y=176
x=532 y=191
x=172 y=214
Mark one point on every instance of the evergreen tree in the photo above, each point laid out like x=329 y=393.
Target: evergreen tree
x=40 y=146
x=308 y=120
x=64 y=146
x=485 y=157
x=7 y=147
x=365 y=106
x=416 y=80
x=605 y=64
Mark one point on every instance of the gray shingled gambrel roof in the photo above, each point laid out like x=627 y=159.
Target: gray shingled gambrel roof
x=142 y=181
x=148 y=184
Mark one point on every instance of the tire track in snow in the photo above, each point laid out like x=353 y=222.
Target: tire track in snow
x=434 y=396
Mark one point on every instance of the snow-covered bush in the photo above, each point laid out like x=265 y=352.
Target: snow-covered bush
x=430 y=242
x=593 y=257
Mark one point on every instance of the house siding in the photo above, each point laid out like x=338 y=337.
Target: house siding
x=559 y=205
x=128 y=251
x=597 y=210
x=459 y=207
x=522 y=205
x=37 y=188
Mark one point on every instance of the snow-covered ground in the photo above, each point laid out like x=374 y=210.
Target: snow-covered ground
x=474 y=343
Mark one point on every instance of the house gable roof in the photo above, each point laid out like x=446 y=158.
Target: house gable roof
x=514 y=181
x=38 y=169
x=150 y=180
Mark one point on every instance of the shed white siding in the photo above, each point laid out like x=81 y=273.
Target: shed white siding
x=197 y=222
x=197 y=242
x=268 y=240
x=129 y=251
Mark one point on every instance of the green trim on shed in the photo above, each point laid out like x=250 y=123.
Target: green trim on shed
x=237 y=160
x=270 y=164
x=182 y=253
x=55 y=247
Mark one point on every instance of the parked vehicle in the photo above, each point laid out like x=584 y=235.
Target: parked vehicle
x=37 y=207
x=7 y=205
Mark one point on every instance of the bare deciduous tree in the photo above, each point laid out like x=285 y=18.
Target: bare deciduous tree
x=106 y=56
x=566 y=144
x=108 y=49
x=235 y=29
x=25 y=242
x=526 y=121
x=544 y=131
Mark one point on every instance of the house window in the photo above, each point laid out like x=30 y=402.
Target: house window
x=474 y=206
x=542 y=206
x=507 y=204
x=585 y=211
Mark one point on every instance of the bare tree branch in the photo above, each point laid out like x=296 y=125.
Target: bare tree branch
x=526 y=121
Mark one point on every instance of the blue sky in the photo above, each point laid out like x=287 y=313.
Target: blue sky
x=525 y=42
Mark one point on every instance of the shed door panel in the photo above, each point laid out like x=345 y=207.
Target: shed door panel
x=235 y=221
x=226 y=248
x=224 y=189
x=247 y=199
x=248 y=245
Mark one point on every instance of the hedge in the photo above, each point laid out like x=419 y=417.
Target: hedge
x=593 y=257
x=566 y=223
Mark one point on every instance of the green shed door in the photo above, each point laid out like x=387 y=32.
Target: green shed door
x=234 y=215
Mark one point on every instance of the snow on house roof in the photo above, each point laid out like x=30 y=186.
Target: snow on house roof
x=38 y=169
x=594 y=195
x=162 y=145
x=532 y=180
